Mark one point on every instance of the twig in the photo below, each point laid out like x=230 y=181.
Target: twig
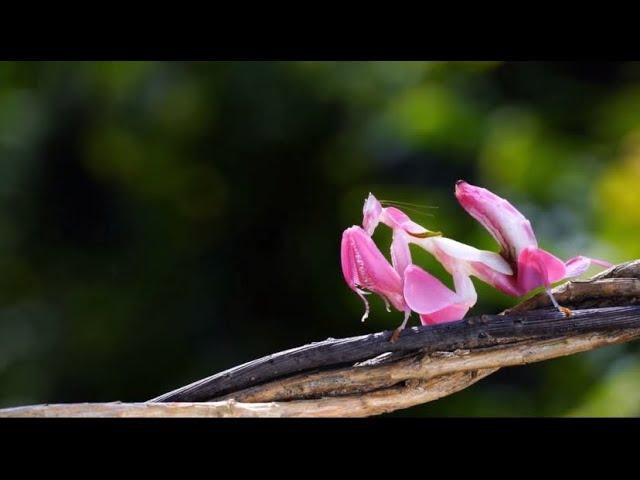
x=368 y=375
x=357 y=381
x=461 y=367
x=354 y=406
x=472 y=333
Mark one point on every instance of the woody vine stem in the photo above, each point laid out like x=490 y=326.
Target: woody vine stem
x=369 y=375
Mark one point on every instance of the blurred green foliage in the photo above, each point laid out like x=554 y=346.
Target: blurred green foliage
x=162 y=221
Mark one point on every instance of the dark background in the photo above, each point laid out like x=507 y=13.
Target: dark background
x=162 y=221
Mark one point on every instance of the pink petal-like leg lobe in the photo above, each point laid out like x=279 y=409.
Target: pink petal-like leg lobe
x=434 y=301
x=424 y=293
x=538 y=268
x=576 y=266
x=452 y=313
x=466 y=298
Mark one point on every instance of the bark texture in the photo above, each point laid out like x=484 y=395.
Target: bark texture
x=368 y=375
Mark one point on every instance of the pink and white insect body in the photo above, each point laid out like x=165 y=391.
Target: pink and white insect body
x=520 y=267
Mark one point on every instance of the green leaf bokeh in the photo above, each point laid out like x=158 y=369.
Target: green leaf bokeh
x=161 y=221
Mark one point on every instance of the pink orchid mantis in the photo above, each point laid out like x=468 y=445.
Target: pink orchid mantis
x=365 y=268
x=520 y=267
x=532 y=266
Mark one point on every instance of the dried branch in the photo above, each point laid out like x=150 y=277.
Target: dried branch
x=354 y=406
x=368 y=375
x=472 y=333
x=364 y=379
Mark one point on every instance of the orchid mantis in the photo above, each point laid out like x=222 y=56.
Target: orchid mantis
x=520 y=267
